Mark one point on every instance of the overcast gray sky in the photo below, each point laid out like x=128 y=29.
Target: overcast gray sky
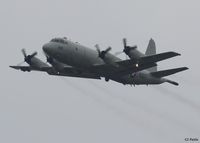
x=35 y=107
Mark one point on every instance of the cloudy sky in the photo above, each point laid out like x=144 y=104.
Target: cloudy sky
x=35 y=107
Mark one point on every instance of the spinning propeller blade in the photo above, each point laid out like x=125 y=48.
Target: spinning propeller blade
x=127 y=49
x=24 y=52
x=102 y=53
x=124 y=42
x=27 y=58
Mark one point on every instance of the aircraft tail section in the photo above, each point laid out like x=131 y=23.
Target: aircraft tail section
x=153 y=69
x=164 y=73
x=172 y=82
x=151 y=50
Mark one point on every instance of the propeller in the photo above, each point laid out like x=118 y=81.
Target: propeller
x=102 y=53
x=27 y=58
x=127 y=49
x=124 y=42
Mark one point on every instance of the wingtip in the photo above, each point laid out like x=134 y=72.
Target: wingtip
x=173 y=54
x=11 y=66
x=186 y=68
x=177 y=54
x=14 y=67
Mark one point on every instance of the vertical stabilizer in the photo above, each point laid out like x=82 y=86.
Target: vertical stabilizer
x=151 y=50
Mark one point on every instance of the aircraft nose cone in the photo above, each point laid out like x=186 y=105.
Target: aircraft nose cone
x=46 y=48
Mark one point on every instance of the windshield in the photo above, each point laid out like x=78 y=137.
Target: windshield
x=58 y=40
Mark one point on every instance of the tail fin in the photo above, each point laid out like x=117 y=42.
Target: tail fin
x=164 y=73
x=151 y=50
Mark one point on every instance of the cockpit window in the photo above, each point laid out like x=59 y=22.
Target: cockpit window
x=59 y=40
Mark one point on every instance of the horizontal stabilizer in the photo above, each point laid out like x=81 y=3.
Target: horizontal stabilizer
x=168 y=72
x=158 y=57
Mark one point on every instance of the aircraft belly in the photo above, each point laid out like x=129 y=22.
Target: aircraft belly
x=130 y=79
x=78 y=75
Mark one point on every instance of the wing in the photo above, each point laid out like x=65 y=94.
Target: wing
x=157 y=57
x=130 y=66
x=67 y=71
x=74 y=72
x=27 y=68
x=79 y=75
x=124 y=67
x=168 y=72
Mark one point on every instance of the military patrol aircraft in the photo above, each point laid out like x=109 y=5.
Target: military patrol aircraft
x=72 y=59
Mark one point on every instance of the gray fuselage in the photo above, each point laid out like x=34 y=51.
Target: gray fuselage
x=81 y=57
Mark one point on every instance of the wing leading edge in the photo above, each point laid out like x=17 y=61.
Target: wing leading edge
x=124 y=67
x=67 y=71
x=157 y=57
